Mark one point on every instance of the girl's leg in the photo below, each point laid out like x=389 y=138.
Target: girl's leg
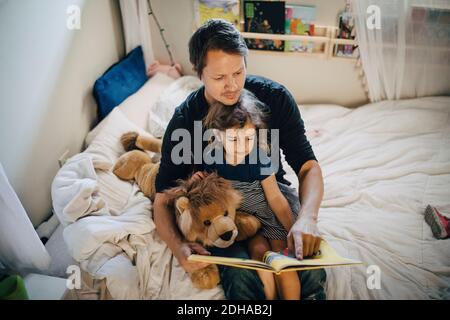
x=288 y=283
x=257 y=246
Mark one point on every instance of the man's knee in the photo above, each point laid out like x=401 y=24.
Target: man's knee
x=241 y=284
x=313 y=284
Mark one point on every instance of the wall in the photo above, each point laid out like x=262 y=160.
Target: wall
x=310 y=80
x=46 y=103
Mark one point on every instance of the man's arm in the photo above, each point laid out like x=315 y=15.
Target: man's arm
x=168 y=231
x=304 y=235
x=303 y=238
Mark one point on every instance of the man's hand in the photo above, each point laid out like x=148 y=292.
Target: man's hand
x=185 y=250
x=304 y=238
x=168 y=231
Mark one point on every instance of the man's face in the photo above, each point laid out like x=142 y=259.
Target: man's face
x=223 y=77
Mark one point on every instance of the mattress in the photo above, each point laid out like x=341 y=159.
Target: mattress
x=383 y=163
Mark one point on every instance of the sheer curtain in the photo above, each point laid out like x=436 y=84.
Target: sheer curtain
x=21 y=250
x=136 y=27
x=409 y=54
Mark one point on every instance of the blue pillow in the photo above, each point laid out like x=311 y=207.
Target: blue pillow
x=119 y=82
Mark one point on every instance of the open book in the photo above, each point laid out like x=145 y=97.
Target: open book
x=279 y=262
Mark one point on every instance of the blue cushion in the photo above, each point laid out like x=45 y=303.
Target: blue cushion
x=119 y=82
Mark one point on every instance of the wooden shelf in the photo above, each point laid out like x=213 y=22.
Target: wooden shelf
x=324 y=42
x=285 y=37
x=319 y=55
x=343 y=41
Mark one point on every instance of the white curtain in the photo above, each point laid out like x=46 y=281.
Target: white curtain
x=409 y=54
x=21 y=250
x=136 y=27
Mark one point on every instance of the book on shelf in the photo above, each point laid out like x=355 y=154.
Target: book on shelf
x=264 y=17
x=217 y=9
x=299 y=20
x=278 y=262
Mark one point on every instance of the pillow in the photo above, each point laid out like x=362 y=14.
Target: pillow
x=162 y=110
x=104 y=141
x=120 y=81
x=137 y=106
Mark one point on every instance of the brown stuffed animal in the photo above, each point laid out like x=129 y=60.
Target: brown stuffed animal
x=205 y=208
x=137 y=164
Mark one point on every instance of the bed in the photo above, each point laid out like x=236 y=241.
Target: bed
x=382 y=164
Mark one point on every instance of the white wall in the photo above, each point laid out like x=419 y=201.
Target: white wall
x=310 y=80
x=46 y=79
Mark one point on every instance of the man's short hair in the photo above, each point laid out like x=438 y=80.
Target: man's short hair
x=215 y=34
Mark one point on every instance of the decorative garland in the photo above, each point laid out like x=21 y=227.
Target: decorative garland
x=161 y=30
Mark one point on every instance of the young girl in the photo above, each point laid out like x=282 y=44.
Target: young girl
x=236 y=136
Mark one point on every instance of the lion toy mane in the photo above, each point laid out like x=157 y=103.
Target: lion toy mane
x=206 y=209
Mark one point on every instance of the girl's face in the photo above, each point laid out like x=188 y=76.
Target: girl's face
x=238 y=142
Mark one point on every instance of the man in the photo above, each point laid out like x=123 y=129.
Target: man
x=218 y=55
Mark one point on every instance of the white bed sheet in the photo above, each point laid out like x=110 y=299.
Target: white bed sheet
x=382 y=164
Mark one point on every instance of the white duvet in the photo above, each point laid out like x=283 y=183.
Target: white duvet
x=382 y=164
x=108 y=227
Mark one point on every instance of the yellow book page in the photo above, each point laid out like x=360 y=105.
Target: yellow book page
x=327 y=257
x=232 y=262
x=276 y=262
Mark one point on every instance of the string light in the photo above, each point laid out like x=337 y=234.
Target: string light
x=161 y=30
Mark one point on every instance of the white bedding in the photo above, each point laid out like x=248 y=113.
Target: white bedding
x=382 y=164
x=108 y=225
x=107 y=222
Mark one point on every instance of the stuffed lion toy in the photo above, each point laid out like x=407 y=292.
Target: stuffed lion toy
x=206 y=209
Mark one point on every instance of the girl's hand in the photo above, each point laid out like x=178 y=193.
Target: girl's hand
x=199 y=175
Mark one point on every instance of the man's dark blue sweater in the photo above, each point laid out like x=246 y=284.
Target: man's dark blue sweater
x=283 y=115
